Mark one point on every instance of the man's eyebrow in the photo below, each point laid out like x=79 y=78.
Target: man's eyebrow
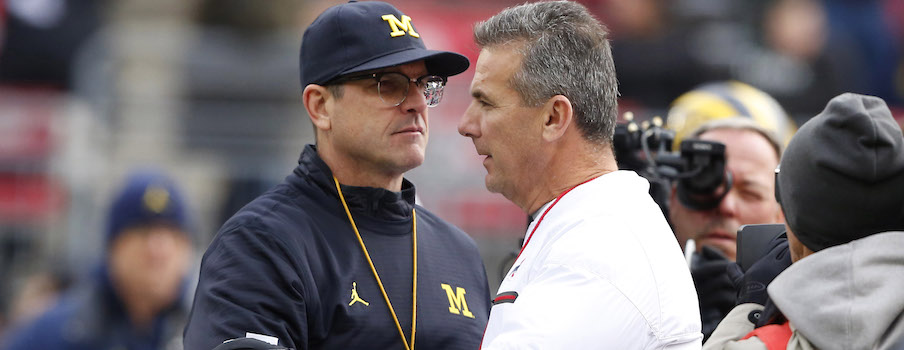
x=478 y=95
x=751 y=183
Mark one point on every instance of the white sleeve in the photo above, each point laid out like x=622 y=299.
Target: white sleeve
x=568 y=308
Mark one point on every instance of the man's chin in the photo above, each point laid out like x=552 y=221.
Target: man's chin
x=409 y=161
x=492 y=184
x=727 y=247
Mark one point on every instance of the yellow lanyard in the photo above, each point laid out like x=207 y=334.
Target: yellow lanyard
x=377 y=276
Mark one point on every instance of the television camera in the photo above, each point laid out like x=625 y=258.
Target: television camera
x=697 y=169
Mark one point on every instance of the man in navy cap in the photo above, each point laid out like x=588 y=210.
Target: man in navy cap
x=339 y=256
x=133 y=300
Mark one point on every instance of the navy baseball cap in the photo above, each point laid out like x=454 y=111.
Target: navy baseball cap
x=147 y=197
x=362 y=36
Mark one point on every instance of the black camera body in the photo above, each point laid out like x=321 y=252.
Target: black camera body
x=753 y=242
x=697 y=169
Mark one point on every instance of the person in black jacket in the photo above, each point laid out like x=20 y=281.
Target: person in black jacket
x=339 y=256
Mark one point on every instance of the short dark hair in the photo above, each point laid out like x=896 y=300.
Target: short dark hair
x=335 y=89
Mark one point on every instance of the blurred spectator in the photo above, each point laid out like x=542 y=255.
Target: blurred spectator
x=241 y=93
x=42 y=38
x=841 y=188
x=748 y=122
x=802 y=52
x=866 y=29
x=134 y=298
x=38 y=293
x=652 y=53
x=797 y=63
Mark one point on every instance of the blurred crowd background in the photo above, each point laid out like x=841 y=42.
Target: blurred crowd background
x=208 y=91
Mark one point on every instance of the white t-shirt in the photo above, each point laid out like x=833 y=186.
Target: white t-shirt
x=602 y=271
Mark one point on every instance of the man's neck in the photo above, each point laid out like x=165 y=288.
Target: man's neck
x=356 y=173
x=564 y=173
x=140 y=307
x=553 y=190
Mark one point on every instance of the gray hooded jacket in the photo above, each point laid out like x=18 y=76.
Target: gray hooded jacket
x=849 y=296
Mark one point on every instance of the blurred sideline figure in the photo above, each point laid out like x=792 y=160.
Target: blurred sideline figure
x=599 y=267
x=133 y=300
x=753 y=128
x=38 y=293
x=841 y=188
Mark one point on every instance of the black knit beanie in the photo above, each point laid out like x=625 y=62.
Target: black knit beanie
x=842 y=176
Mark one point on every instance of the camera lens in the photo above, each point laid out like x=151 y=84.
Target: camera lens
x=706 y=181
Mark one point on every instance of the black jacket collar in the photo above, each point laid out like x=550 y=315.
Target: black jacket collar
x=377 y=203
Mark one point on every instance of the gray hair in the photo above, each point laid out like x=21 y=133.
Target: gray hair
x=566 y=52
x=742 y=124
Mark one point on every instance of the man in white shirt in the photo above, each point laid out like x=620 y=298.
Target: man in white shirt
x=600 y=267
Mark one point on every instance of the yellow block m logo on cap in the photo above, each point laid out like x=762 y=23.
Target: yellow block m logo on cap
x=400 y=27
x=156 y=199
x=457 y=303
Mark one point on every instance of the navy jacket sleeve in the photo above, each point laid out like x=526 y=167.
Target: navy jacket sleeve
x=47 y=331
x=247 y=284
x=39 y=335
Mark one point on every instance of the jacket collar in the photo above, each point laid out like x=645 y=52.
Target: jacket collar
x=374 y=202
x=104 y=310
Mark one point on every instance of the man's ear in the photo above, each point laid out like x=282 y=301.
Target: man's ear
x=315 y=99
x=558 y=115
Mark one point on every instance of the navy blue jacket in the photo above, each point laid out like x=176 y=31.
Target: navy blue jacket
x=287 y=266
x=92 y=317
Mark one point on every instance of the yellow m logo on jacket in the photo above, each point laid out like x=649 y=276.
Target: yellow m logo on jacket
x=457 y=303
x=398 y=27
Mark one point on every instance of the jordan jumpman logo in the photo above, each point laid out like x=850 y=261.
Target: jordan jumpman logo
x=355 y=297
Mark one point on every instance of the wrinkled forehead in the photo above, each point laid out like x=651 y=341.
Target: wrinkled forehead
x=748 y=154
x=496 y=66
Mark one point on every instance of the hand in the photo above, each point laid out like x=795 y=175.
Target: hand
x=751 y=285
x=715 y=289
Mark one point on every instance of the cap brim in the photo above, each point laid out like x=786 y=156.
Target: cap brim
x=442 y=63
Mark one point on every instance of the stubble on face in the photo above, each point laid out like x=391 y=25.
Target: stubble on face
x=373 y=137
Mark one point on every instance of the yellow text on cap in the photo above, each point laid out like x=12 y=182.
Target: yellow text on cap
x=400 y=27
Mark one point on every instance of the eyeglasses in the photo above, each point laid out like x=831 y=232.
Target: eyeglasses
x=393 y=86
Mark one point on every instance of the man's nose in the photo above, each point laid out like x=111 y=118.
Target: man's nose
x=467 y=125
x=729 y=205
x=415 y=102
